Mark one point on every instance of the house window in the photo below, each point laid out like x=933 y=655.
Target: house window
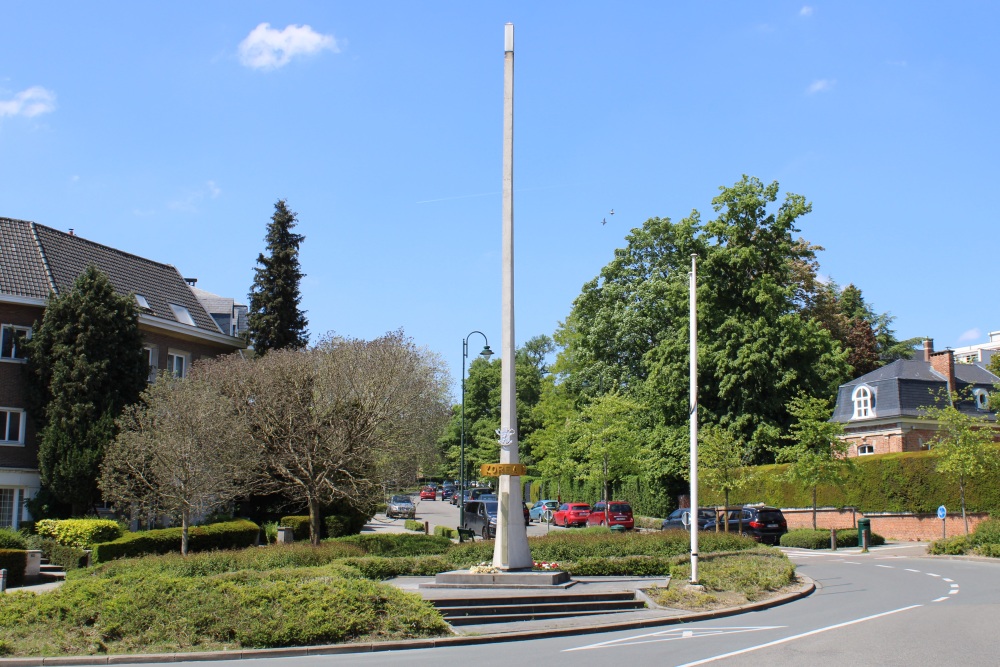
x=866 y=449
x=152 y=362
x=178 y=362
x=982 y=398
x=12 y=341
x=182 y=314
x=140 y=300
x=864 y=402
x=11 y=426
x=8 y=503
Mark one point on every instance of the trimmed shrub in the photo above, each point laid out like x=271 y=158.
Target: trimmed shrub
x=229 y=535
x=950 y=546
x=399 y=544
x=636 y=566
x=445 y=531
x=298 y=524
x=807 y=538
x=413 y=524
x=80 y=533
x=11 y=539
x=378 y=567
x=987 y=532
x=68 y=558
x=988 y=550
x=15 y=561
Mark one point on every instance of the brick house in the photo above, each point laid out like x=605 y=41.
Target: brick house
x=881 y=411
x=36 y=261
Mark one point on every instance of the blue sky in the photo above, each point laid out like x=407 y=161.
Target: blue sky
x=169 y=130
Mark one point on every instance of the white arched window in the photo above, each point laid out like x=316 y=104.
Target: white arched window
x=864 y=402
x=982 y=398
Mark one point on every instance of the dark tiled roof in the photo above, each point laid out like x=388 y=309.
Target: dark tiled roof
x=905 y=387
x=22 y=272
x=67 y=256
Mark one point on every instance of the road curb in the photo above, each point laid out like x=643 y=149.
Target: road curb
x=805 y=588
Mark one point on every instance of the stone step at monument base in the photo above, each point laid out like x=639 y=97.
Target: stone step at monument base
x=513 y=579
x=506 y=609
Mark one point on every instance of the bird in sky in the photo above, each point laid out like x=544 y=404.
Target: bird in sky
x=612 y=211
x=604 y=221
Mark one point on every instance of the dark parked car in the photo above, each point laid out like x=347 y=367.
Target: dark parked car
x=764 y=524
x=613 y=513
x=481 y=518
x=677 y=517
x=447 y=491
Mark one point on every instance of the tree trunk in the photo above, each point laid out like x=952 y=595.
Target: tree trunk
x=814 y=508
x=314 y=522
x=607 y=518
x=961 y=492
x=726 y=500
x=185 y=522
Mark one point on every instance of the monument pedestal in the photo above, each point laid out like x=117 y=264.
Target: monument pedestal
x=511 y=579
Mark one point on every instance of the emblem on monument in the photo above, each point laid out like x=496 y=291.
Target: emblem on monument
x=506 y=436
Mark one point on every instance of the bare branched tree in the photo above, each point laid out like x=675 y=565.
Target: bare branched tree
x=182 y=450
x=336 y=420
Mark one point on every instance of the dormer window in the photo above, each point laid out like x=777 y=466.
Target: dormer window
x=182 y=314
x=982 y=398
x=864 y=402
x=140 y=301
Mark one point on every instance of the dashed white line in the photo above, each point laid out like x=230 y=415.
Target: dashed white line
x=946 y=579
x=953 y=591
x=931 y=574
x=888 y=567
x=851 y=562
x=941 y=599
x=909 y=570
x=953 y=585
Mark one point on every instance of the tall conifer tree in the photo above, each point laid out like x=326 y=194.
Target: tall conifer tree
x=275 y=320
x=85 y=364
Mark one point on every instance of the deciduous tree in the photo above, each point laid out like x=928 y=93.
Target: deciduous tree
x=181 y=451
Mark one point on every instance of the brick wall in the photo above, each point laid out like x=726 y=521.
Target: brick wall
x=12 y=389
x=899 y=527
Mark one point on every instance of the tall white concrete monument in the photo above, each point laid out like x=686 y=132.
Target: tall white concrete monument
x=511 y=551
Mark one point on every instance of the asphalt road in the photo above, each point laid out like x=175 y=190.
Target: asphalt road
x=888 y=607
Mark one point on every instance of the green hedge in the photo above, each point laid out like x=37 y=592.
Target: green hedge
x=11 y=539
x=298 y=524
x=398 y=544
x=983 y=541
x=881 y=483
x=413 y=524
x=80 y=533
x=445 y=531
x=68 y=558
x=236 y=534
x=15 y=561
x=808 y=538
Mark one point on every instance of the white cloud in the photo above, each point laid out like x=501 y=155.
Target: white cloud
x=806 y=11
x=189 y=202
x=267 y=48
x=213 y=190
x=971 y=334
x=31 y=102
x=820 y=86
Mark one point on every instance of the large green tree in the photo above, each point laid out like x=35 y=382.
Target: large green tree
x=275 y=320
x=85 y=364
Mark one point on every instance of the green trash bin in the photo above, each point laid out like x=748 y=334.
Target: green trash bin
x=864 y=525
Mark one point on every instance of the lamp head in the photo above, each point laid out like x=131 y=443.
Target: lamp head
x=486 y=353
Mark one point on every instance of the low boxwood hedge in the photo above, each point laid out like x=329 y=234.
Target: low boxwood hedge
x=445 y=531
x=414 y=525
x=11 y=539
x=298 y=524
x=807 y=538
x=236 y=534
x=983 y=541
x=398 y=544
x=15 y=561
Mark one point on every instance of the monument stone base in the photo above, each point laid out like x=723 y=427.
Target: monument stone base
x=512 y=579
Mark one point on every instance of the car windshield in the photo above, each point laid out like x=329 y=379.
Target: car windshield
x=620 y=507
x=400 y=499
x=491 y=507
x=579 y=508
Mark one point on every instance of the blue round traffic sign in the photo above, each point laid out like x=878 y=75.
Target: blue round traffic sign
x=942 y=512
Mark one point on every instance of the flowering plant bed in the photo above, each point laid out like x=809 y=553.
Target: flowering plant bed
x=544 y=567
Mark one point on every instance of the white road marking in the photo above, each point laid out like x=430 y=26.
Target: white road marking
x=931 y=574
x=953 y=591
x=799 y=636
x=851 y=562
x=909 y=570
x=941 y=599
x=953 y=585
x=946 y=579
x=673 y=634
x=888 y=567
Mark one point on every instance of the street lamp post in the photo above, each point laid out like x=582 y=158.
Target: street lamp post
x=485 y=354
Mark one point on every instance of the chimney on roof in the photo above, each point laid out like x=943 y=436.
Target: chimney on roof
x=944 y=363
x=928 y=348
x=191 y=281
x=71 y=232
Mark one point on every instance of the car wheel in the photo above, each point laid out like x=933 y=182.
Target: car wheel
x=486 y=533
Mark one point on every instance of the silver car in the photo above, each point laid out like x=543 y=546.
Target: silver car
x=400 y=507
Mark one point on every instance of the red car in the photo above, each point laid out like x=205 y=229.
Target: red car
x=571 y=514
x=613 y=513
x=428 y=493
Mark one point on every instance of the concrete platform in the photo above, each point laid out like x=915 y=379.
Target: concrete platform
x=500 y=580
